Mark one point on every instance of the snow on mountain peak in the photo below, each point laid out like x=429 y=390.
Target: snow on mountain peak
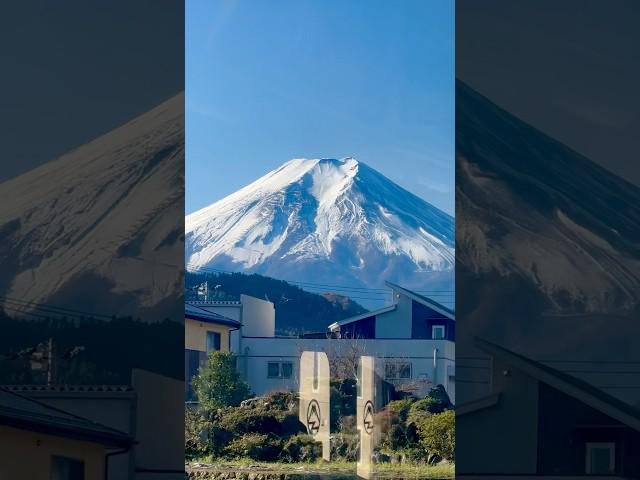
x=341 y=216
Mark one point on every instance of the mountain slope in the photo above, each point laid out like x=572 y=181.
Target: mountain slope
x=95 y=228
x=297 y=311
x=537 y=213
x=335 y=221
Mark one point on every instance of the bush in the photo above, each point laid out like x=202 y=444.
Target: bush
x=343 y=400
x=256 y=446
x=396 y=437
x=196 y=429
x=275 y=413
x=301 y=448
x=439 y=394
x=218 y=383
x=283 y=401
x=401 y=407
x=420 y=408
x=244 y=420
x=345 y=447
x=437 y=434
x=348 y=424
x=291 y=425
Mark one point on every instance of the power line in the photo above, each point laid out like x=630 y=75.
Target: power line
x=608 y=372
x=343 y=288
x=22 y=312
x=24 y=304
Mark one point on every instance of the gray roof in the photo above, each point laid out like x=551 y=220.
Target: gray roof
x=197 y=313
x=568 y=384
x=69 y=388
x=426 y=301
x=25 y=413
x=362 y=316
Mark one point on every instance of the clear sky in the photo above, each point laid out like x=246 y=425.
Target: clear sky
x=267 y=81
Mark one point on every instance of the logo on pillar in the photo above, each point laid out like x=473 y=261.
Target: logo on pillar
x=313 y=417
x=367 y=421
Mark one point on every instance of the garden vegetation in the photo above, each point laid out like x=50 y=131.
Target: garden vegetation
x=230 y=424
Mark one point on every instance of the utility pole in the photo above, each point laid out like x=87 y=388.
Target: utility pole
x=50 y=362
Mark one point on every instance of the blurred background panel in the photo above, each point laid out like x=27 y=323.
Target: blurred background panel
x=91 y=239
x=547 y=235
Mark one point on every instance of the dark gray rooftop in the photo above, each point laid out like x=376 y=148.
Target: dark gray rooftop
x=20 y=411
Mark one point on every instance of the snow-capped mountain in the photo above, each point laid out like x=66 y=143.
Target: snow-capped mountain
x=537 y=214
x=100 y=228
x=547 y=252
x=325 y=221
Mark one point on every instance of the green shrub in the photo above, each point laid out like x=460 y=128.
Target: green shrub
x=344 y=447
x=348 y=424
x=439 y=394
x=420 y=408
x=396 y=438
x=343 y=400
x=401 y=407
x=196 y=430
x=291 y=425
x=283 y=401
x=218 y=383
x=276 y=414
x=246 y=420
x=301 y=448
x=437 y=434
x=256 y=446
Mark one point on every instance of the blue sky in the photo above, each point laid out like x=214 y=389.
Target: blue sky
x=267 y=81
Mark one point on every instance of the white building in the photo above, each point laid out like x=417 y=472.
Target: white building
x=413 y=340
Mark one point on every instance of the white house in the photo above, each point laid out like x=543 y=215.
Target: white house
x=413 y=340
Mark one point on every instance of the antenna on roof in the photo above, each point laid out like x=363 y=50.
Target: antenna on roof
x=203 y=289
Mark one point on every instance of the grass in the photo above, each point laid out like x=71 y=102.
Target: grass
x=384 y=469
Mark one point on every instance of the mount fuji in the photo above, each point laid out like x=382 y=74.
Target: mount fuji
x=532 y=210
x=325 y=221
x=99 y=229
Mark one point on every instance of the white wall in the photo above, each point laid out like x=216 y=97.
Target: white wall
x=258 y=317
x=257 y=352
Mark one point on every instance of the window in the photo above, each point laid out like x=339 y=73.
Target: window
x=397 y=370
x=287 y=369
x=273 y=370
x=193 y=359
x=404 y=370
x=213 y=341
x=601 y=458
x=63 y=468
x=279 y=370
x=437 y=332
x=390 y=371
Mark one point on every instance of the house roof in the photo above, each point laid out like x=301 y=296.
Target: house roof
x=194 y=312
x=426 y=301
x=568 y=384
x=19 y=411
x=362 y=316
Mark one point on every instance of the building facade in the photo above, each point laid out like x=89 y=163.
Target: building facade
x=413 y=340
x=136 y=412
x=40 y=441
x=539 y=422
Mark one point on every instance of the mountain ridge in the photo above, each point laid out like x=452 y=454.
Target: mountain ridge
x=81 y=231
x=585 y=256
x=337 y=217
